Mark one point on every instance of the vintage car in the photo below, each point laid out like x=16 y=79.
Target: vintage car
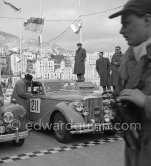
x=13 y=122
x=67 y=107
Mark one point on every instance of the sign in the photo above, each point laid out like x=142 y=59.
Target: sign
x=35 y=105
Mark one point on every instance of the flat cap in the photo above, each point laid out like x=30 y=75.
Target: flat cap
x=140 y=7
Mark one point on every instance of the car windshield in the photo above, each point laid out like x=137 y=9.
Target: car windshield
x=57 y=86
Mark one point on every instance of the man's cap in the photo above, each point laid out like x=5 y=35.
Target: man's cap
x=79 y=44
x=118 y=47
x=140 y=7
x=28 y=77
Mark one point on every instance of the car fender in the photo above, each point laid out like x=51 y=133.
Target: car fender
x=67 y=110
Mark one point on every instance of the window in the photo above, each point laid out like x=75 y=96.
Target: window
x=37 y=88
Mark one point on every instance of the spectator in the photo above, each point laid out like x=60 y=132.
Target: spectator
x=103 y=70
x=136 y=77
x=79 y=67
x=115 y=64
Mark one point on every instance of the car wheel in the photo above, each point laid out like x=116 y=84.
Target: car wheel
x=61 y=128
x=19 y=143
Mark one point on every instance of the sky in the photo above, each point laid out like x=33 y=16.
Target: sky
x=99 y=33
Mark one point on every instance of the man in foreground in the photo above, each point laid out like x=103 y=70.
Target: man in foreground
x=136 y=75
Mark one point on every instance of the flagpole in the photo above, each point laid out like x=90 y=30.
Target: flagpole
x=41 y=32
x=20 y=48
x=80 y=17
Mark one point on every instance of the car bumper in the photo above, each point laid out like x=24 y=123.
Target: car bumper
x=14 y=136
x=91 y=127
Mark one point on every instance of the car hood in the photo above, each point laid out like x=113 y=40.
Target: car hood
x=64 y=96
x=69 y=95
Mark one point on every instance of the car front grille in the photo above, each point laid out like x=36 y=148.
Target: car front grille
x=95 y=109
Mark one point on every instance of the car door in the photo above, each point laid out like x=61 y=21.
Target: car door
x=35 y=102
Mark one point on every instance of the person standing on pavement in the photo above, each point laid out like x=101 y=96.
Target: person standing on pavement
x=79 y=66
x=115 y=64
x=136 y=76
x=103 y=70
x=20 y=93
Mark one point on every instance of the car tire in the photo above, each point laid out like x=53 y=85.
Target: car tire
x=62 y=133
x=19 y=143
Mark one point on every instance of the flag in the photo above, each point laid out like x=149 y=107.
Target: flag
x=76 y=26
x=12 y=6
x=34 y=24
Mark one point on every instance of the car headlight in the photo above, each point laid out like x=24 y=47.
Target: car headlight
x=107 y=118
x=78 y=105
x=106 y=110
x=8 y=117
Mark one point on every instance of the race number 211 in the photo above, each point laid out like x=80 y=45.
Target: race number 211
x=35 y=105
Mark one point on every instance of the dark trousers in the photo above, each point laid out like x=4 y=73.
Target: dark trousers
x=80 y=77
x=106 y=88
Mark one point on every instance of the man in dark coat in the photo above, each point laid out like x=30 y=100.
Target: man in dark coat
x=103 y=70
x=135 y=73
x=79 y=67
x=115 y=64
x=20 y=93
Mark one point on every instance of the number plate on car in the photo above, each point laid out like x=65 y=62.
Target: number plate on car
x=35 y=105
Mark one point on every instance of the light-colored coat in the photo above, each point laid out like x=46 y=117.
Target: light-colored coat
x=79 y=67
x=130 y=73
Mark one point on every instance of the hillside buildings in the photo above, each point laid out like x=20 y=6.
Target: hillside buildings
x=48 y=68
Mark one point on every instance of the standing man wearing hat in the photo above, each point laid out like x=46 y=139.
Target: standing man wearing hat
x=20 y=93
x=115 y=64
x=136 y=71
x=79 y=66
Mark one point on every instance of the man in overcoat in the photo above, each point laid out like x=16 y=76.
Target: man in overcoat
x=135 y=76
x=20 y=93
x=79 y=66
x=103 y=70
x=115 y=64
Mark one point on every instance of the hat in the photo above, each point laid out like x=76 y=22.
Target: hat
x=79 y=44
x=140 y=7
x=28 y=77
x=118 y=47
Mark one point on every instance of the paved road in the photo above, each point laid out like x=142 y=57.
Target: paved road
x=84 y=150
